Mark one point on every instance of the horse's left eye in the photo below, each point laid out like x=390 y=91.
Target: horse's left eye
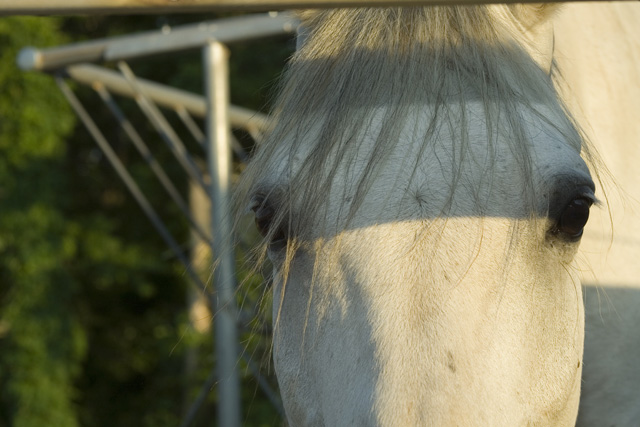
x=573 y=219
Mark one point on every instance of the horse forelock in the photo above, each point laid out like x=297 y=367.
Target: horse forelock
x=397 y=60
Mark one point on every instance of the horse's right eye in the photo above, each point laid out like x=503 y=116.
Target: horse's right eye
x=264 y=219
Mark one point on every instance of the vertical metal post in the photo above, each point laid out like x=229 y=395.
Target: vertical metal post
x=216 y=71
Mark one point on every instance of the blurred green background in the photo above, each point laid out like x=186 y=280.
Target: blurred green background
x=94 y=320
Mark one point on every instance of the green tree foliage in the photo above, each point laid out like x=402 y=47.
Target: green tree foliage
x=93 y=327
x=41 y=343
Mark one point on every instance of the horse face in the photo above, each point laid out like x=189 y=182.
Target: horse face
x=423 y=197
x=444 y=297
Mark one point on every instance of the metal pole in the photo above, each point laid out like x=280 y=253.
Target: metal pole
x=128 y=7
x=216 y=72
x=165 y=41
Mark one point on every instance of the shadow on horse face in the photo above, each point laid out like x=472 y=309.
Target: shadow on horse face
x=422 y=207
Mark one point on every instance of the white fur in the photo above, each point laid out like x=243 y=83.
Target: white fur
x=598 y=51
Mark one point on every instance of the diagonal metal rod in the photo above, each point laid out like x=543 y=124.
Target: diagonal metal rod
x=128 y=180
x=239 y=150
x=202 y=395
x=207 y=386
x=163 y=127
x=273 y=396
x=256 y=133
x=199 y=136
x=191 y=126
x=148 y=157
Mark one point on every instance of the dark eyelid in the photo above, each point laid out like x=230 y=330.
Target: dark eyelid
x=263 y=192
x=565 y=188
x=256 y=200
x=593 y=200
x=587 y=192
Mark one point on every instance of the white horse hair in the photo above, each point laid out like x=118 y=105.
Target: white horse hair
x=422 y=197
x=598 y=54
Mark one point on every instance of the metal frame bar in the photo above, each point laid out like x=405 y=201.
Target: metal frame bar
x=273 y=397
x=200 y=399
x=200 y=137
x=128 y=180
x=225 y=373
x=125 y=7
x=158 y=42
x=148 y=157
x=163 y=128
x=218 y=143
x=216 y=72
x=164 y=96
x=191 y=126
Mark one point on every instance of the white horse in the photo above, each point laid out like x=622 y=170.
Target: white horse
x=422 y=196
x=598 y=53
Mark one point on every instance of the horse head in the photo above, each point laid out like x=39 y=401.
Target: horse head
x=422 y=197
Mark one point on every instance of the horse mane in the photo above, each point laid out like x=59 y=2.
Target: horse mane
x=355 y=60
